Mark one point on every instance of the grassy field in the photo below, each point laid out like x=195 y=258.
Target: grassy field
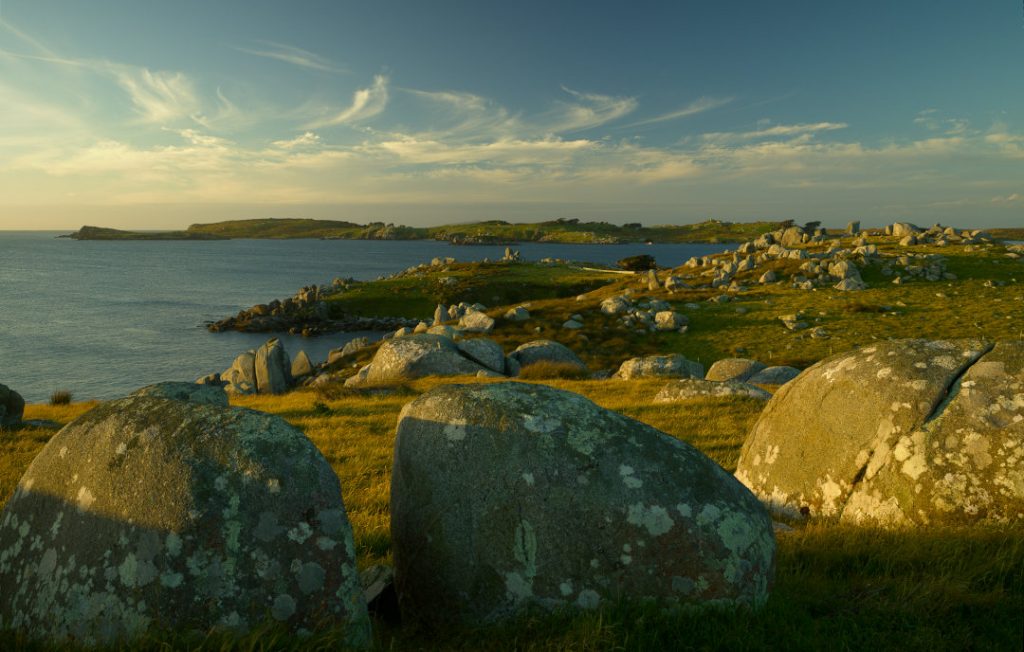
x=837 y=587
x=494 y=284
x=985 y=301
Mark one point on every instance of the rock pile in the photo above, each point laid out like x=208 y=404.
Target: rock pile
x=267 y=370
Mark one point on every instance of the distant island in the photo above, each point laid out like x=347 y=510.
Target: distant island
x=493 y=232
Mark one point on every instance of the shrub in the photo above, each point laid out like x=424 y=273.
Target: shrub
x=543 y=370
x=60 y=397
x=637 y=263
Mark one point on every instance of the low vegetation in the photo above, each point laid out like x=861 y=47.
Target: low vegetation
x=840 y=586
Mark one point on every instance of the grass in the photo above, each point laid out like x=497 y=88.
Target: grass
x=60 y=397
x=840 y=587
x=491 y=284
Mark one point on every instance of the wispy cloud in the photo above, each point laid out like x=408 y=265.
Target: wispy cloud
x=293 y=55
x=776 y=131
x=699 y=105
x=366 y=103
x=159 y=97
x=589 y=110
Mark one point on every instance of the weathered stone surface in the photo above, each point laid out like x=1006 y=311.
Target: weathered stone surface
x=476 y=322
x=12 y=407
x=902 y=229
x=241 y=375
x=511 y=494
x=739 y=369
x=545 y=351
x=191 y=392
x=487 y=353
x=614 y=305
x=416 y=356
x=273 y=368
x=912 y=432
x=666 y=366
x=686 y=389
x=153 y=513
x=302 y=366
x=774 y=376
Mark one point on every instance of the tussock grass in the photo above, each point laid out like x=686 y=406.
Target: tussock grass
x=60 y=397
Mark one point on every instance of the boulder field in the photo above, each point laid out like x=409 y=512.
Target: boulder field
x=511 y=495
x=899 y=433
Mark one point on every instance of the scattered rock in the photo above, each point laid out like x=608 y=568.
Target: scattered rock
x=476 y=322
x=519 y=313
x=273 y=368
x=513 y=495
x=485 y=352
x=415 y=356
x=668 y=320
x=667 y=366
x=154 y=513
x=545 y=351
x=301 y=366
x=739 y=369
x=680 y=390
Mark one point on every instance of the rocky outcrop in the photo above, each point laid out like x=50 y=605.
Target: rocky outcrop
x=686 y=389
x=660 y=366
x=273 y=368
x=416 y=356
x=513 y=495
x=302 y=366
x=898 y=433
x=12 y=407
x=148 y=514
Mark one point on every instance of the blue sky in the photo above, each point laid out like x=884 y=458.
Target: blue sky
x=160 y=114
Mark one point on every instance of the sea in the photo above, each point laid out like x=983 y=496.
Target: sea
x=103 y=318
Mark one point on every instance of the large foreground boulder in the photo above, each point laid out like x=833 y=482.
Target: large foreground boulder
x=660 y=366
x=12 y=407
x=510 y=495
x=900 y=433
x=416 y=356
x=155 y=513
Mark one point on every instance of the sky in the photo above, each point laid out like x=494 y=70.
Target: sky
x=149 y=115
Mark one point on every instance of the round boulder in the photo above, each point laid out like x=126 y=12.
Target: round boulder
x=545 y=351
x=660 y=366
x=738 y=369
x=510 y=495
x=418 y=356
x=148 y=513
x=900 y=433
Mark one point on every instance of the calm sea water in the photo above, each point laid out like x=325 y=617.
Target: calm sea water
x=103 y=318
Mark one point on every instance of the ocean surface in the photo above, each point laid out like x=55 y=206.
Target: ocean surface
x=101 y=319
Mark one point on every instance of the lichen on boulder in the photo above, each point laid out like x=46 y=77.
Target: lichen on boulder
x=907 y=432
x=151 y=513
x=510 y=495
